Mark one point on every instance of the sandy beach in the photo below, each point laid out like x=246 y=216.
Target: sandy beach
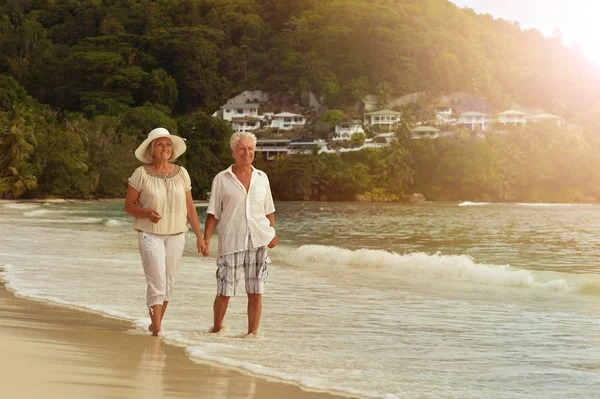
x=57 y=352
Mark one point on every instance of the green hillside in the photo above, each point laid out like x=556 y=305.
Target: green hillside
x=82 y=81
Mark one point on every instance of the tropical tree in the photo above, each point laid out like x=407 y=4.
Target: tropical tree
x=18 y=182
x=394 y=171
x=208 y=151
x=18 y=139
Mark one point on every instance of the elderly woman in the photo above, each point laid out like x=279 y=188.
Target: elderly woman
x=159 y=198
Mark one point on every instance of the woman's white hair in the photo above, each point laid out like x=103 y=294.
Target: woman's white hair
x=235 y=138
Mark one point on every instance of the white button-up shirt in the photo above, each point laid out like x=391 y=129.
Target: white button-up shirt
x=239 y=213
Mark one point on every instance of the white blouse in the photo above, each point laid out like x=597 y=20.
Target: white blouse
x=165 y=194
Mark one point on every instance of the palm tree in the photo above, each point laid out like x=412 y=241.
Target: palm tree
x=17 y=139
x=395 y=171
x=20 y=181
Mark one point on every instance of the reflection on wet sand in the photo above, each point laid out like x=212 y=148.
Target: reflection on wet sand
x=56 y=352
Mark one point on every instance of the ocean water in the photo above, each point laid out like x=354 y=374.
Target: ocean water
x=429 y=300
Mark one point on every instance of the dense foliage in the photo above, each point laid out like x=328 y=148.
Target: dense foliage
x=540 y=163
x=83 y=81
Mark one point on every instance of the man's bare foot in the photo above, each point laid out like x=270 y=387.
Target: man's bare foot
x=212 y=330
x=254 y=333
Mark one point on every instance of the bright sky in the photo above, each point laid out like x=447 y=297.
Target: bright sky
x=578 y=20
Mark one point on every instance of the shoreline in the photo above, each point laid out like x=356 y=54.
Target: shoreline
x=60 y=200
x=75 y=201
x=59 y=352
x=204 y=202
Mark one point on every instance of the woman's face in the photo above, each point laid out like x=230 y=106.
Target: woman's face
x=163 y=149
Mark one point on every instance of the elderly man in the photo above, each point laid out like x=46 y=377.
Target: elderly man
x=242 y=205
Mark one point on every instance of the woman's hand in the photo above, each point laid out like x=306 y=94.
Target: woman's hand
x=154 y=216
x=202 y=246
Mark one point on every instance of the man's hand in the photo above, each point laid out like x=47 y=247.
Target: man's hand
x=207 y=244
x=202 y=246
x=273 y=242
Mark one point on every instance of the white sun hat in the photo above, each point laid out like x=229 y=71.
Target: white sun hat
x=179 y=146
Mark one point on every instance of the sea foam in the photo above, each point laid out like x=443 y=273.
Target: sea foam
x=469 y=203
x=446 y=267
x=21 y=206
x=37 y=212
x=114 y=223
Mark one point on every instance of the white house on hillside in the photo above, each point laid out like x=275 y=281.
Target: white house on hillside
x=229 y=111
x=443 y=114
x=245 y=124
x=379 y=139
x=273 y=148
x=306 y=146
x=443 y=109
x=559 y=120
x=472 y=120
x=425 y=132
x=385 y=118
x=287 y=121
x=513 y=117
x=346 y=128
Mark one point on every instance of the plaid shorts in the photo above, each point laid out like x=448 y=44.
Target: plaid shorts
x=254 y=261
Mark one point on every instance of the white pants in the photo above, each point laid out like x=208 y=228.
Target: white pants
x=160 y=257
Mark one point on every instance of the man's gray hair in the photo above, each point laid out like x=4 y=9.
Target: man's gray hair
x=235 y=138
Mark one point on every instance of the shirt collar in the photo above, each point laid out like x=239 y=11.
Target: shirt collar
x=254 y=170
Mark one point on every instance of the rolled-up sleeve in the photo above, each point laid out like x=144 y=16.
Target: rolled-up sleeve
x=214 y=204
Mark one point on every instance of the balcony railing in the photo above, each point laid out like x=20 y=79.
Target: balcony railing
x=278 y=148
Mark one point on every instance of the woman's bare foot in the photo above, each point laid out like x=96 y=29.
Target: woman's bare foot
x=151 y=329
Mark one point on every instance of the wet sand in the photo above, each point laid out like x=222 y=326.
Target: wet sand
x=50 y=351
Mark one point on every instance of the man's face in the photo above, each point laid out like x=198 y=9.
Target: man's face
x=244 y=152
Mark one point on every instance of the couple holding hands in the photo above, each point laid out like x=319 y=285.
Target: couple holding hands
x=159 y=198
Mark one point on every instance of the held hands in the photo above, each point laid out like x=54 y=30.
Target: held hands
x=202 y=246
x=153 y=216
x=206 y=245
